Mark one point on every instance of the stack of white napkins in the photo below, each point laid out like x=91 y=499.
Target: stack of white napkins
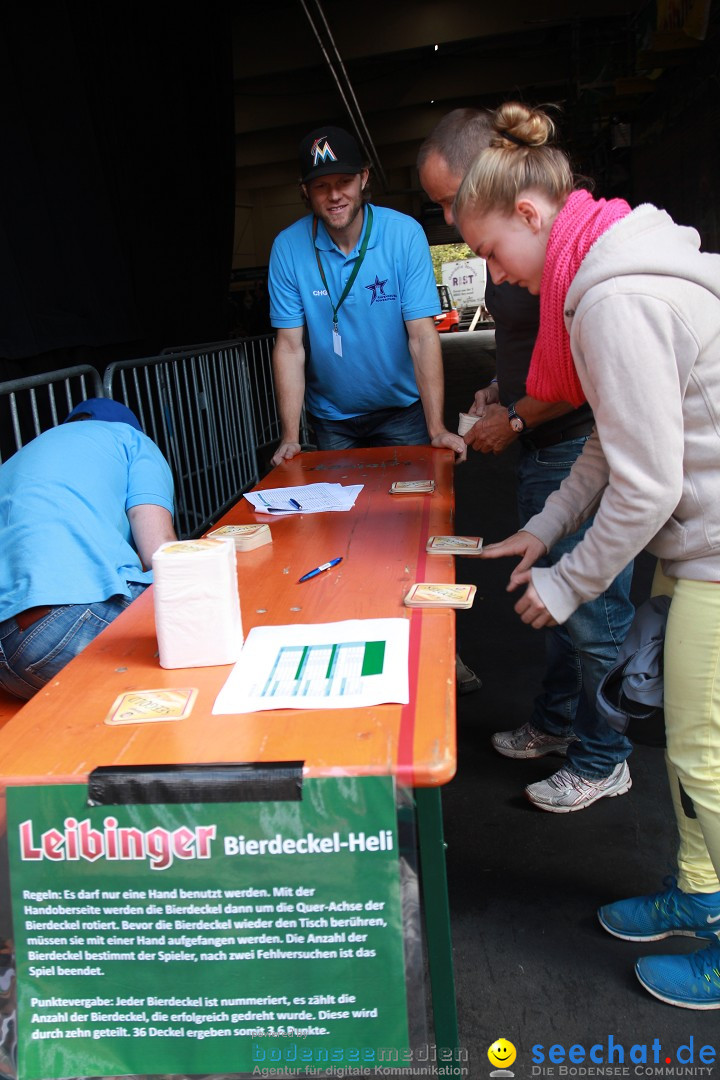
x=308 y=499
x=197 y=607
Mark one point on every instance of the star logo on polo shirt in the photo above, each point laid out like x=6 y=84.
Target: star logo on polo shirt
x=377 y=284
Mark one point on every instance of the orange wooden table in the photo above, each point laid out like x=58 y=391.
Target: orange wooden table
x=60 y=736
x=9 y=705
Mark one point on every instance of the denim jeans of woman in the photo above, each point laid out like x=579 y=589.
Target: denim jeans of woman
x=579 y=652
x=30 y=658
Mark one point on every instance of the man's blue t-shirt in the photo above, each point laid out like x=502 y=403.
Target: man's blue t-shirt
x=64 y=532
x=395 y=285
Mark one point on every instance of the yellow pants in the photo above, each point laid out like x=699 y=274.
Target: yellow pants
x=692 y=721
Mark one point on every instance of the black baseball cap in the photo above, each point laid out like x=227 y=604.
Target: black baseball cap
x=329 y=150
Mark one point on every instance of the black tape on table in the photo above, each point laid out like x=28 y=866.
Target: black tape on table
x=273 y=781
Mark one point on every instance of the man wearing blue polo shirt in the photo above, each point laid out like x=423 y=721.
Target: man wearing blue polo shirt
x=356 y=283
x=82 y=509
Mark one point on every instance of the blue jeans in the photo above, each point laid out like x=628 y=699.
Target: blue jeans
x=579 y=652
x=30 y=658
x=384 y=427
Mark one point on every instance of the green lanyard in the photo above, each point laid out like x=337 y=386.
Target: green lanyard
x=356 y=268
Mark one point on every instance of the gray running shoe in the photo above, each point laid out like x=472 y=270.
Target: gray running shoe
x=566 y=791
x=467 y=680
x=529 y=742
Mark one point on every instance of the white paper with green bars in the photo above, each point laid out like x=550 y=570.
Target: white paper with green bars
x=340 y=665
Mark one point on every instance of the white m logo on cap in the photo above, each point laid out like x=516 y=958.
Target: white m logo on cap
x=322 y=151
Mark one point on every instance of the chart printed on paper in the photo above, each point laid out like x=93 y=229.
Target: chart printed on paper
x=348 y=664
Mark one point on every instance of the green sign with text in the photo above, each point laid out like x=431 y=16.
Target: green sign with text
x=206 y=938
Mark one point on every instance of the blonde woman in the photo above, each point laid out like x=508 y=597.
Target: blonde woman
x=630 y=323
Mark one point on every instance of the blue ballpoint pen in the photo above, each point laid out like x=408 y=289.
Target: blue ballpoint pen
x=319 y=569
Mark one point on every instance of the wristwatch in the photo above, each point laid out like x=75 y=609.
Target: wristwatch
x=516 y=421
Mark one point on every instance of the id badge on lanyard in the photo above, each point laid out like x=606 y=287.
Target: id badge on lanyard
x=336 y=338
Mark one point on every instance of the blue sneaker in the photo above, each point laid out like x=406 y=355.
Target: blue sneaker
x=668 y=913
x=692 y=982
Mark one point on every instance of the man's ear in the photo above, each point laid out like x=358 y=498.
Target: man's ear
x=531 y=213
x=364 y=178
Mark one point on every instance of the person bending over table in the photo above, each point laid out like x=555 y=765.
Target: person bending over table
x=629 y=317
x=82 y=509
x=551 y=436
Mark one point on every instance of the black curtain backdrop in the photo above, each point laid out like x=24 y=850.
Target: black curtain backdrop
x=117 y=185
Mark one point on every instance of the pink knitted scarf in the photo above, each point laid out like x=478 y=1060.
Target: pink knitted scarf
x=552 y=375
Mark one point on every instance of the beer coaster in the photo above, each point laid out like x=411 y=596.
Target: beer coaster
x=454 y=545
x=182 y=547
x=150 y=706
x=427 y=594
x=246 y=537
x=412 y=487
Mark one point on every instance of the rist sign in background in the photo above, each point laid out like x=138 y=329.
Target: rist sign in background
x=205 y=938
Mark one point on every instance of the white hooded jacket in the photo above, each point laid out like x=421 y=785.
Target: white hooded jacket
x=643 y=313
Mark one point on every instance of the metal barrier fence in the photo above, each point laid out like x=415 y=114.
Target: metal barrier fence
x=38 y=402
x=258 y=356
x=197 y=407
x=211 y=409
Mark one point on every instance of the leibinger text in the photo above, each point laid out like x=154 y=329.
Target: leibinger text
x=160 y=847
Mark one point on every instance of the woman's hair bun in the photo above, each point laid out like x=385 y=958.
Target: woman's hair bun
x=522 y=126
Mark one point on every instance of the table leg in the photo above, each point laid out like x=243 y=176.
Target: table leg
x=437 y=918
